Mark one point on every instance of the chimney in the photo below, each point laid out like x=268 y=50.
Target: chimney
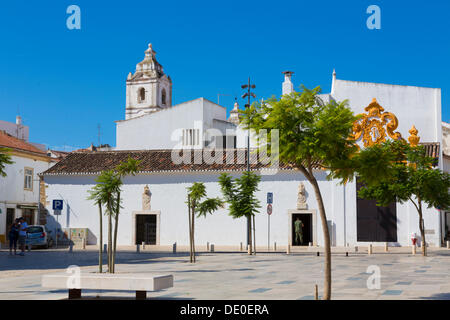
x=18 y=120
x=288 y=87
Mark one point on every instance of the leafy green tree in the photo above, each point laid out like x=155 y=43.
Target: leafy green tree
x=312 y=133
x=5 y=159
x=395 y=171
x=104 y=193
x=200 y=208
x=240 y=195
x=130 y=167
x=107 y=193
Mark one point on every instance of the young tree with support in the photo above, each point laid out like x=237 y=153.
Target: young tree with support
x=240 y=195
x=312 y=134
x=198 y=207
x=107 y=192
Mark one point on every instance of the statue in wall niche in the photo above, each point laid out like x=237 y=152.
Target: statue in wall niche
x=301 y=197
x=146 y=198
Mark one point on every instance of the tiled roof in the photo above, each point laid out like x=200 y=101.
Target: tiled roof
x=155 y=161
x=7 y=140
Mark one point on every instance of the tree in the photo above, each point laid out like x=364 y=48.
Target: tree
x=5 y=159
x=240 y=195
x=312 y=134
x=130 y=167
x=104 y=193
x=395 y=171
x=196 y=206
x=107 y=192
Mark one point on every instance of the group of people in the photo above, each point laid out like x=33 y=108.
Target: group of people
x=18 y=234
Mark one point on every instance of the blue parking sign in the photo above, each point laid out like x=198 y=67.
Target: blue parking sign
x=57 y=204
x=269 y=197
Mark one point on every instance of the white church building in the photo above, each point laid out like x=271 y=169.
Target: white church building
x=152 y=128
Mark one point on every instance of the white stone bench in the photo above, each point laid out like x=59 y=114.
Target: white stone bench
x=139 y=282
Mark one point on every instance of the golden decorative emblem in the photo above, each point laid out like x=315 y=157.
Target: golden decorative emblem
x=374 y=125
x=413 y=138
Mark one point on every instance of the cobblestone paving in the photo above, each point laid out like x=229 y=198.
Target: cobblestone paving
x=239 y=276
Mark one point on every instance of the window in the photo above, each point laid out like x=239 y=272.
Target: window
x=191 y=137
x=141 y=95
x=163 y=97
x=28 y=181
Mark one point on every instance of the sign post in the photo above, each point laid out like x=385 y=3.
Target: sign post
x=57 y=208
x=269 y=212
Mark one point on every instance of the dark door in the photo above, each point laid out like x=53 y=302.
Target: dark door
x=374 y=223
x=146 y=228
x=305 y=237
x=28 y=215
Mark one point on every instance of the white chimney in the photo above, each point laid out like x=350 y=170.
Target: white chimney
x=18 y=120
x=288 y=87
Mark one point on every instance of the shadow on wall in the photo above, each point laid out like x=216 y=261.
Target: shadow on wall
x=67 y=236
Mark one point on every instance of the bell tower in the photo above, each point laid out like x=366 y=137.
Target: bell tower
x=148 y=89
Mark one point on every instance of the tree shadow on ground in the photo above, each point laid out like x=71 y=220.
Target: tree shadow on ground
x=438 y=296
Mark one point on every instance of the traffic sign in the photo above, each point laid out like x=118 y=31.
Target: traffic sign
x=269 y=209
x=269 y=197
x=57 y=204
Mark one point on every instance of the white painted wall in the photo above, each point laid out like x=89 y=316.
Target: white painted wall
x=169 y=196
x=18 y=131
x=154 y=131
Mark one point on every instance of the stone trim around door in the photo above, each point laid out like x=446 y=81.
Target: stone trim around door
x=312 y=212
x=133 y=225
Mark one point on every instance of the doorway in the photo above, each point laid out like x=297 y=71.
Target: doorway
x=28 y=215
x=304 y=222
x=146 y=229
x=375 y=223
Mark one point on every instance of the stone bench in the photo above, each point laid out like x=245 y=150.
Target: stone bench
x=141 y=283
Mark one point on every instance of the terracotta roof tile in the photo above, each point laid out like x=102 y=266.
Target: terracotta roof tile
x=156 y=161
x=9 y=141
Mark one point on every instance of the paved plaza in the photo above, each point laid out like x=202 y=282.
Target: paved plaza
x=235 y=275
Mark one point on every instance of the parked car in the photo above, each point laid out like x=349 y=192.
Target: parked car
x=38 y=235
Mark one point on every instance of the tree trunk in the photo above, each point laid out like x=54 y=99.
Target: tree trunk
x=100 y=251
x=254 y=235
x=193 y=232
x=422 y=229
x=116 y=226
x=190 y=229
x=250 y=250
x=110 y=240
x=326 y=235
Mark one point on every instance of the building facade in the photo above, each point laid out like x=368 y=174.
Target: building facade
x=160 y=135
x=22 y=189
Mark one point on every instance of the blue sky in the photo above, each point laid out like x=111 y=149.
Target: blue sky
x=66 y=82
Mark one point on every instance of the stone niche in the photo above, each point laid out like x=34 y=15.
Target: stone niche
x=308 y=217
x=146 y=211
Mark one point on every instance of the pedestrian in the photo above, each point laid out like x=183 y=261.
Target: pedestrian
x=13 y=237
x=23 y=227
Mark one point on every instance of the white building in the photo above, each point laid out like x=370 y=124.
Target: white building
x=151 y=130
x=21 y=188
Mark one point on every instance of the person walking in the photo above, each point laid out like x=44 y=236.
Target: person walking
x=23 y=226
x=13 y=237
